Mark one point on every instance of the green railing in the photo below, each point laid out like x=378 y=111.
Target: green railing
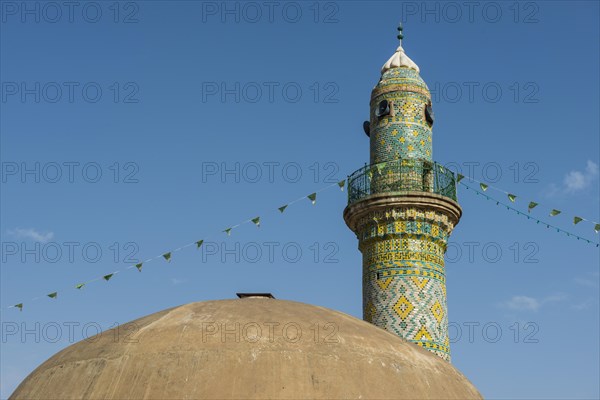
x=399 y=176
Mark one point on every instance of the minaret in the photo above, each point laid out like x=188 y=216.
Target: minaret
x=403 y=208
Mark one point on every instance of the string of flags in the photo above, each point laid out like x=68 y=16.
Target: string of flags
x=552 y=213
x=167 y=256
x=531 y=205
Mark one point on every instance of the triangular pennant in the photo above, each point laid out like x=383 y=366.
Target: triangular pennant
x=341 y=184
x=282 y=208
x=512 y=197
x=79 y=286
x=442 y=170
x=256 y=221
x=107 y=277
x=312 y=197
x=167 y=256
x=597 y=228
x=370 y=174
x=577 y=220
x=381 y=166
x=483 y=186
x=531 y=206
x=139 y=267
x=228 y=231
x=52 y=295
x=459 y=177
x=554 y=212
x=199 y=243
x=19 y=306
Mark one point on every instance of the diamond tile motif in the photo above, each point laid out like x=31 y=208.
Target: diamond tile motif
x=438 y=311
x=403 y=307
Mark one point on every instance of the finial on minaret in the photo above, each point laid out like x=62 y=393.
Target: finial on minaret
x=399 y=59
x=400 y=34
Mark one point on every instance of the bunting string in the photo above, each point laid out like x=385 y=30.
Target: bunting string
x=167 y=256
x=532 y=204
x=508 y=207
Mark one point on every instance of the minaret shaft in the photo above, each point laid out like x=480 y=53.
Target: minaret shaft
x=403 y=239
x=403 y=209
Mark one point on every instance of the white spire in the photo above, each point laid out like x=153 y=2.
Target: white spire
x=399 y=59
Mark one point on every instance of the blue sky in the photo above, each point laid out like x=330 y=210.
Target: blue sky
x=152 y=125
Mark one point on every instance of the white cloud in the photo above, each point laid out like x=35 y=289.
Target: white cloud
x=522 y=303
x=586 y=282
x=585 y=305
x=177 y=281
x=32 y=234
x=591 y=280
x=578 y=180
x=526 y=303
x=554 y=298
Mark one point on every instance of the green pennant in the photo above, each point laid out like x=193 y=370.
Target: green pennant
x=512 y=197
x=52 y=295
x=228 y=231
x=442 y=170
x=167 y=256
x=256 y=221
x=554 y=212
x=381 y=166
x=19 y=306
x=341 y=184
x=79 y=286
x=577 y=220
x=139 y=267
x=107 y=277
x=531 y=206
x=312 y=197
x=282 y=208
x=370 y=174
x=483 y=186
x=597 y=228
x=199 y=243
x=459 y=177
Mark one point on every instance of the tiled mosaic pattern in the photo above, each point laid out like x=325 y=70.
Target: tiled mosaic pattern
x=404 y=284
x=404 y=133
x=404 y=289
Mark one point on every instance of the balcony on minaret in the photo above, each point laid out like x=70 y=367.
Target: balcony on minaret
x=397 y=177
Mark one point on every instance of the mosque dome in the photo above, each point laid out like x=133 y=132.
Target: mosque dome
x=256 y=347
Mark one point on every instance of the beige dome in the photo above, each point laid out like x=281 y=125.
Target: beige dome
x=256 y=348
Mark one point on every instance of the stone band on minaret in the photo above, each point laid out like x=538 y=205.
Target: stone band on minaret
x=403 y=208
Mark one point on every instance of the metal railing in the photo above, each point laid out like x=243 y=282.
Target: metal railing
x=399 y=176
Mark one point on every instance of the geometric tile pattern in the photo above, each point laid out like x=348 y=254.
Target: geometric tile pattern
x=404 y=133
x=404 y=284
x=404 y=279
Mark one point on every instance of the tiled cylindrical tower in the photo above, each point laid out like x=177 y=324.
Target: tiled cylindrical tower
x=403 y=208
